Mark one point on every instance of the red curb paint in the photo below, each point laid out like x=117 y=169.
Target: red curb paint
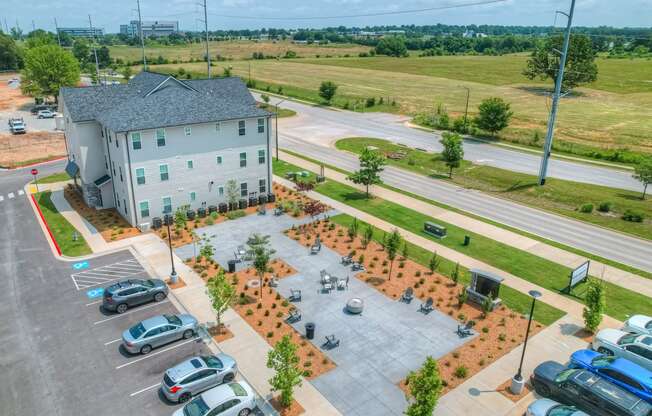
x=46 y=224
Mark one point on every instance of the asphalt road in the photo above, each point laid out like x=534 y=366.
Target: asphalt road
x=321 y=125
x=586 y=237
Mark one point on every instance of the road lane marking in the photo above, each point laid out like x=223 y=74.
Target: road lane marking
x=21 y=192
x=113 y=342
x=144 y=390
x=94 y=303
x=131 y=311
x=11 y=195
x=152 y=354
x=2 y=198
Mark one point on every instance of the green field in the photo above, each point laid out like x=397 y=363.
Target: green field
x=558 y=196
x=61 y=228
x=621 y=302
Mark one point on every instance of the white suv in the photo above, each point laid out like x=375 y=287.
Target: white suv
x=634 y=347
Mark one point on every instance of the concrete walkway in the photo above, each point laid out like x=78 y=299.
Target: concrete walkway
x=611 y=274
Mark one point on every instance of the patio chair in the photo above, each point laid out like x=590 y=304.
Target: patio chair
x=273 y=282
x=315 y=248
x=262 y=210
x=465 y=329
x=295 y=295
x=346 y=260
x=295 y=316
x=331 y=342
x=326 y=286
x=426 y=307
x=238 y=258
x=407 y=295
x=343 y=283
x=357 y=267
x=324 y=276
x=278 y=211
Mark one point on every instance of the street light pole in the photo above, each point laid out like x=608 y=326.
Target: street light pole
x=276 y=129
x=517 y=381
x=173 y=275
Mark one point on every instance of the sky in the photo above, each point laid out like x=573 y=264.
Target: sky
x=255 y=14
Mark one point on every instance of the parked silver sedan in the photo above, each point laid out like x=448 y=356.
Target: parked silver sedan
x=639 y=324
x=158 y=330
x=197 y=374
x=547 y=407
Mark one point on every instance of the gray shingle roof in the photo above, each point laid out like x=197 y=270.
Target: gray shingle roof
x=151 y=100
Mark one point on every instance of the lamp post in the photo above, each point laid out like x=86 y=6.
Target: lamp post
x=276 y=129
x=517 y=381
x=168 y=222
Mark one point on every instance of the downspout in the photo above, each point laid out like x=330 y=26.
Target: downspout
x=110 y=169
x=131 y=180
x=269 y=158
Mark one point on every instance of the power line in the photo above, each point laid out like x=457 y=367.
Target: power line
x=396 y=12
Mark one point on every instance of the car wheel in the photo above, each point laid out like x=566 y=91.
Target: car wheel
x=244 y=412
x=228 y=378
x=184 y=397
x=605 y=351
x=542 y=389
x=188 y=333
x=159 y=296
x=145 y=349
x=122 y=308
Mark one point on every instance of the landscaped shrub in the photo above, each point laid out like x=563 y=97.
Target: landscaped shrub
x=399 y=275
x=285 y=303
x=278 y=324
x=605 y=206
x=485 y=329
x=249 y=312
x=259 y=306
x=417 y=273
x=586 y=208
x=266 y=313
x=235 y=214
x=279 y=314
x=307 y=373
x=461 y=371
x=270 y=334
x=502 y=337
x=214 y=215
x=633 y=216
x=209 y=221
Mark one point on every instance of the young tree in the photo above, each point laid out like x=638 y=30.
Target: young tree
x=453 y=152
x=643 y=173
x=221 y=293
x=180 y=218
x=392 y=246
x=424 y=387
x=327 y=90
x=126 y=73
x=392 y=46
x=352 y=231
x=434 y=262
x=595 y=304
x=265 y=98
x=207 y=250
x=232 y=191
x=406 y=250
x=283 y=359
x=371 y=164
x=47 y=69
x=455 y=275
x=367 y=236
x=261 y=253
x=494 y=114
x=81 y=49
x=580 y=63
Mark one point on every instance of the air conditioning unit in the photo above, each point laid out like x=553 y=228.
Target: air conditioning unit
x=144 y=227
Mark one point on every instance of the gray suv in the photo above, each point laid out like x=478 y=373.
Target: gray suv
x=121 y=296
x=197 y=374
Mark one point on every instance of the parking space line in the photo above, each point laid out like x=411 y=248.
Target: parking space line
x=10 y=195
x=2 y=198
x=94 y=303
x=144 y=390
x=132 y=311
x=113 y=342
x=152 y=354
x=21 y=192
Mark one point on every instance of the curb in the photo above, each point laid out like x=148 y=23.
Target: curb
x=34 y=164
x=47 y=227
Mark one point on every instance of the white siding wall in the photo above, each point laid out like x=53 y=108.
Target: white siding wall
x=85 y=147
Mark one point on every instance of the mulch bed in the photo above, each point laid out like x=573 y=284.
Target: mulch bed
x=295 y=409
x=499 y=332
x=504 y=389
x=179 y=284
x=222 y=335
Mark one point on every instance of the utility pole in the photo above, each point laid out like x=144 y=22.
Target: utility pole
x=6 y=26
x=56 y=27
x=33 y=26
x=466 y=109
x=142 y=39
x=97 y=63
x=547 y=148
x=208 y=56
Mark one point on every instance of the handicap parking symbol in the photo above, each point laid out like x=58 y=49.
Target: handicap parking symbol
x=81 y=265
x=95 y=293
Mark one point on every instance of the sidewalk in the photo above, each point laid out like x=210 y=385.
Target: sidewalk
x=611 y=274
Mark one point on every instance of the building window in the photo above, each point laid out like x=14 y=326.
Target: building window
x=144 y=209
x=163 y=170
x=190 y=164
x=217 y=127
x=219 y=160
x=220 y=190
x=118 y=203
x=135 y=141
x=109 y=136
x=140 y=176
x=124 y=205
x=160 y=137
x=120 y=169
x=193 y=196
x=241 y=128
x=167 y=205
x=261 y=156
x=116 y=142
x=261 y=125
x=243 y=190
x=243 y=160
x=106 y=163
x=113 y=166
x=187 y=131
x=262 y=186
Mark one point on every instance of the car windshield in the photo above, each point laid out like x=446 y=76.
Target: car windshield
x=197 y=407
x=174 y=320
x=562 y=410
x=212 y=361
x=627 y=339
x=137 y=330
x=647 y=341
x=648 y=325
x=563 y=376
x=148 y=283
x=238 y=390
x=602 y=361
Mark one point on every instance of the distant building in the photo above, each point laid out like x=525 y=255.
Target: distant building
x=85 y=32
x=150 y=29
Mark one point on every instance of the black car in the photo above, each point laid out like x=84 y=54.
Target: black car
x=589 y=392
x=122 y=295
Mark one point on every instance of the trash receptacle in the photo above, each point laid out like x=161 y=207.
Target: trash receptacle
x=310 y=330
x=231 y=266
x=467 y=240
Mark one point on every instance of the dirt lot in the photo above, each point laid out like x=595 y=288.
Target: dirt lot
x=11 y=98
x=23 y=149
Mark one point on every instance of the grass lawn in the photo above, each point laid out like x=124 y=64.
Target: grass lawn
x=558 y=196
x=61 y=228
x=621 y=302
x=55 y=177
x=282 y=112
